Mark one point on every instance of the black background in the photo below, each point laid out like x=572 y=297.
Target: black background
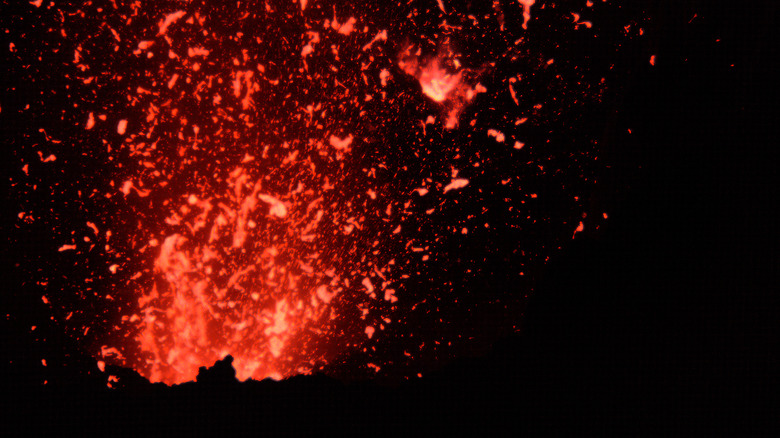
x=666 y=321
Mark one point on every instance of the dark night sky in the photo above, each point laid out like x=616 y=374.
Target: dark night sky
x=663 y=320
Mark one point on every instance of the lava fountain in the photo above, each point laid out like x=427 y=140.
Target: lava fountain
x=297 y=184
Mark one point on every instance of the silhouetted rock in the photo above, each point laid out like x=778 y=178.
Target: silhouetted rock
x=126 y=378
x=222 y=373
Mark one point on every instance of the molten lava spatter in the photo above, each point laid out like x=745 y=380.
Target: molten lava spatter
x=252 y=286
x=301 y=185
x=441 y=79
x=250 y=260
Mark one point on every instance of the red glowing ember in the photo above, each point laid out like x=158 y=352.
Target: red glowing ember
x=441 y=79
